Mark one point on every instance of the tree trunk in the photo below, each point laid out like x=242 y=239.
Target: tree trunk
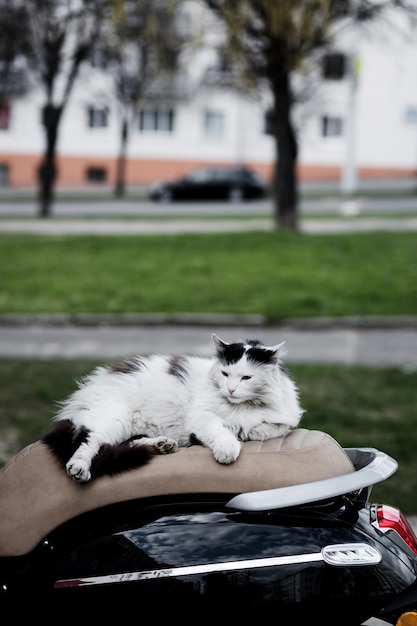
x=285 y=177
x=48 y=171
x=120 y=187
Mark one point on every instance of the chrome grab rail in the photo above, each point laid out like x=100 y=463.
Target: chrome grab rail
x=372 y=466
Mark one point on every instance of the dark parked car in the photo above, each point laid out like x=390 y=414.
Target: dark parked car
x=212 y=183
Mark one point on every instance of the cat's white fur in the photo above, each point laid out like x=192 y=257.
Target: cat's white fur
x=220 y=400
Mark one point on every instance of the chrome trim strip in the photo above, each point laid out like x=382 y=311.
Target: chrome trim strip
x=190 y=570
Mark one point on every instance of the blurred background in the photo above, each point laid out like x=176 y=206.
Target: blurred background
x=123 y=93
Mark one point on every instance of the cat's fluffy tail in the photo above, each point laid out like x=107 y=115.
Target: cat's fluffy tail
x=63 y=441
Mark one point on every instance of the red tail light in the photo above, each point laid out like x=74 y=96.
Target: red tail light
x=390 y=518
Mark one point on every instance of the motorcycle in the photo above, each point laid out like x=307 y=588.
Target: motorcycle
x=288 y=531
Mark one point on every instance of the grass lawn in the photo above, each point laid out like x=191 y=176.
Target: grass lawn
x=276 y=274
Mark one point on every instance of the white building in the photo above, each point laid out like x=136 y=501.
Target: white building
x=366 y=130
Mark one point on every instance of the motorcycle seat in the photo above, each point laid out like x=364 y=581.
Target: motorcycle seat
x=36 y=495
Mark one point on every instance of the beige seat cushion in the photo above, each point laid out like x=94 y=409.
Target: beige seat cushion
x=37 y=496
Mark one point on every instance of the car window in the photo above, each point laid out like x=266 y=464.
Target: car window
x=237 y=175
x=222 y=175
x=199 y=176
x=252 y=176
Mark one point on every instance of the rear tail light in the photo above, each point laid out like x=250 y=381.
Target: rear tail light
x=391 y=519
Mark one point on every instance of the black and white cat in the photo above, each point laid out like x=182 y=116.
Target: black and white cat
x=122 y=415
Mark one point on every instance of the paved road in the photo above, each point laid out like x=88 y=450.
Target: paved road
x=110 y=216
x=324 y=203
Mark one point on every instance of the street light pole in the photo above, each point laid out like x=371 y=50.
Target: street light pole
x=349 y=179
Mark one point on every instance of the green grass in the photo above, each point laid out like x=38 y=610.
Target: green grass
x=275 y=274
x=357 y=406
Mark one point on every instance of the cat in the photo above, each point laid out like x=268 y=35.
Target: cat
x=121 y=415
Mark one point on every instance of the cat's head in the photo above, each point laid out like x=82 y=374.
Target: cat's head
x=245 y=370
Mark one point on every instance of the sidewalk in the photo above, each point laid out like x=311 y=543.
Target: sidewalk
x=371 y=342
x=169 y=227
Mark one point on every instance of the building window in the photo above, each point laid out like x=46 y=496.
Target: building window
x=220 y=68
x=156 y=120
x=213 y=123
x=4 y=116
x=410 y=115
x=331 y=126
x=4 y=175
x=334 y=66
x=99 y=58
x=96 y=175
x=59 y=8
x=98 y=117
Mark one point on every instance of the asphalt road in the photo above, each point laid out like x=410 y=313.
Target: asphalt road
x=117 y=216
x=364 y=206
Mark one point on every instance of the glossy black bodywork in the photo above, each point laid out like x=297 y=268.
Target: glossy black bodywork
x=166 y=544
x=212 y=183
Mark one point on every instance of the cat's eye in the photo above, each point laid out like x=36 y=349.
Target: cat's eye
x=225 y=374
x=246 y=377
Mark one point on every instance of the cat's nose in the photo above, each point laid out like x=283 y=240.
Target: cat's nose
x=231 y=391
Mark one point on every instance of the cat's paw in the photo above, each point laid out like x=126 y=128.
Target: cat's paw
x=226 y=454
x=165 y=445
x=160 y=445
x=78 y=471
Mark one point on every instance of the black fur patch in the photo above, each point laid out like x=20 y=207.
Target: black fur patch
x=176 y=367
x=127 y=366
x=64 y=440
x=255 y=343
x=232 y=353
x=257 y=352
x=261 y=355
x=115 y=459
x=194 y=440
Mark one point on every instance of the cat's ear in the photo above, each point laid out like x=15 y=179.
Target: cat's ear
x=278 y=347
x=219 y=343
x=278 y=351
x=274 y=352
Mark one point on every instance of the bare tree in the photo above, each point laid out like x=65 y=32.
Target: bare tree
x=145 y=47
x=62 y=36
x=271 y=40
